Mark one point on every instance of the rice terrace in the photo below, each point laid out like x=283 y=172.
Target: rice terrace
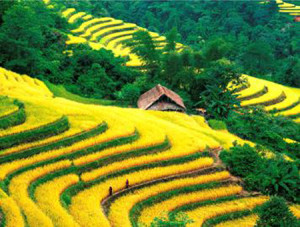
x=149 y=113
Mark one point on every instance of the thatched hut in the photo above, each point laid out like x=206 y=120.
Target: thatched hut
x=161 y=98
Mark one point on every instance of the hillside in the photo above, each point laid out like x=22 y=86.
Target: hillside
x=58 y=165
x=96 y=160
x=110 y=33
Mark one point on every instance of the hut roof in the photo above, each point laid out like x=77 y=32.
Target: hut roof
x=154 y=94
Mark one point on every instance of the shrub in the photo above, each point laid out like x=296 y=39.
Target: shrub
x=130 y=93
x=275 y=177
x=242 y=160
x=217 y=125
x=275 y=213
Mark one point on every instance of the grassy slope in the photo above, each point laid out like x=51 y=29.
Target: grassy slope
x=61 y=91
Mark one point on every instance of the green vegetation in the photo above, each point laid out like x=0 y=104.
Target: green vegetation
x=16 y=118
x=180 y=220
x=45 y=131
x=217 y=125
x=67 y=141
x=261 y=41
x=276 y=213
x=73 y=190
x=271 y=176
x=138 y=207
x=262 y=128
x=61 y=91
x=226 y=217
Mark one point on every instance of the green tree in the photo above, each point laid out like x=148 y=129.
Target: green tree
x=217 y=92
x=258 y=58
x=130 y=93
x=143 y=46
x=276 y=213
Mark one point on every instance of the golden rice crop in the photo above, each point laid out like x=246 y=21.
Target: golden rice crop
x=46 y=116
x=78 y=124
x=18 y=189
x=75 y=40
x=12 y=213
x=225 y=138
x=149 y=213
x=10 y=80
x=104 y=30
x=153 y=131
x=68 y=11
x=201 y=214
x=117 y=131
x=293 y=111
x=76 y=16
x=47 y=198
x=7 y=107
x=248 y=221
x=83 y=26
x=93 y=28
x=87 y=17
x=116 y=34
x=252 y=89
x=90 y=199
x=120 y=208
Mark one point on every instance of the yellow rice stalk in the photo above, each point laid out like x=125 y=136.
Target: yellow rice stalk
x=273 y=93
x=201 y=121
x=93 y=28
x=120 y=208
x=254 y=87
x=293 y=111
x=102 y=31
x=89 y=199
x=78 y=124
x=153 y=131
x=112 y=35
x=248 y=221
x=7 y=107
x=149 y=213
x=67 y=12
x=116 y=130
x=295 y=208
x=225 y=138
x=87 y=17
x=76 y=16
x=201 y=214
x=75 y=40
x=96 y=46
x=18 y=189
x=48 y=199
x=12 y=213
x=10 y=80
x=87 y=23
x=46 y=116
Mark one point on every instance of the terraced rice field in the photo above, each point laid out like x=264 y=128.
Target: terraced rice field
x=106 y=32
x=109 y=33
x=275 y=98
x=64 y=163
x=288 y=8
x=154 y=162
